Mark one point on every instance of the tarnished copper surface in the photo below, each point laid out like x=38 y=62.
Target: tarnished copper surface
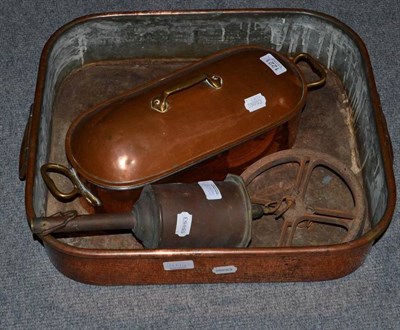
x=220 y=219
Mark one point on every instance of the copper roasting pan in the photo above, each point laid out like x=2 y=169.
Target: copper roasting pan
x=97 y=57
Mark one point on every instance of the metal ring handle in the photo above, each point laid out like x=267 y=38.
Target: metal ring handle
x=315 y=66
x=159 y=103
x=78 y=190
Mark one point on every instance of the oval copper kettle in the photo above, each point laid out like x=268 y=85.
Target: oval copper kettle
x=213 y=117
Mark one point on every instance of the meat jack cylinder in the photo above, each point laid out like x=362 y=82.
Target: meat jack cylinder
x=177 y=215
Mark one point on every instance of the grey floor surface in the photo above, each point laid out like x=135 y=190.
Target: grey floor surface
x=34 y=295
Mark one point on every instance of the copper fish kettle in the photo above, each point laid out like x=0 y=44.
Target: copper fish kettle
x=214 y=117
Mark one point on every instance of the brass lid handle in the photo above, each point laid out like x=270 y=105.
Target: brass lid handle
x=160 y=104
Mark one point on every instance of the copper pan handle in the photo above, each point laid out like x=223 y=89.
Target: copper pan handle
x=78 y=190
x=160 y=104
x=387 y=138
x=315 y=66
x=25 y=145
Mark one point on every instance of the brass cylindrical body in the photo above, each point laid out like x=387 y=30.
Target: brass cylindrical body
x=184 y=215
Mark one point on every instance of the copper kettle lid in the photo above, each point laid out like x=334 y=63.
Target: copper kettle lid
x=179 y=120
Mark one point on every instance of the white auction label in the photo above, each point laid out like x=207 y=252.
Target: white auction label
x=255 y=102
x=210 y=189
x=224 y=270
x=183 y=224
x=273 y=64
x=177 y=265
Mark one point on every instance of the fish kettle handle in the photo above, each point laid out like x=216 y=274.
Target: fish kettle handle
x=315 y=67
x=78 y=190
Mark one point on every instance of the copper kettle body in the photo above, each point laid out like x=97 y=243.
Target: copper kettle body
x=211 y=118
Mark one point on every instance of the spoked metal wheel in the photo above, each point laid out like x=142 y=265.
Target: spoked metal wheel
x=286 y=196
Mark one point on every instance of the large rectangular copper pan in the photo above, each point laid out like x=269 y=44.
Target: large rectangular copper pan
x=149 y=44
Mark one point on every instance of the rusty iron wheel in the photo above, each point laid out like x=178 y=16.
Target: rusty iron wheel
x=293 y=207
